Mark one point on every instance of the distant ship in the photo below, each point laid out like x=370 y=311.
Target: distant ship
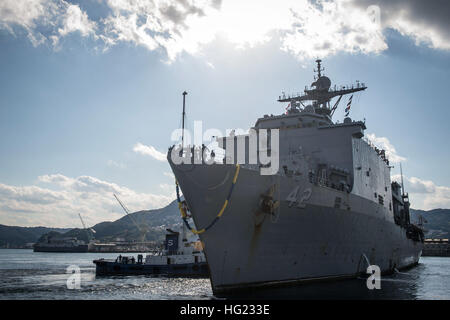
x=54 y=243
x=329 y=212
x=180 y=257
x=68 y=244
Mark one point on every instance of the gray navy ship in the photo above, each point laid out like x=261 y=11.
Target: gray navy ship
x=67 y=244
x=328 y=212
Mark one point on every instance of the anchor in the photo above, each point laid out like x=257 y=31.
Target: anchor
x=267 y=204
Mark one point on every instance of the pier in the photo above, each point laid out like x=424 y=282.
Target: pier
x=436 y=248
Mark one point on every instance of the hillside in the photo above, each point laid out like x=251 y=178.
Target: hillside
x=20 y=236
x=152 y=226
x=157 y=221
x=437 y=222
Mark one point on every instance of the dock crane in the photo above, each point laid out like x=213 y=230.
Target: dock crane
x=143 y=228
x=85 y=228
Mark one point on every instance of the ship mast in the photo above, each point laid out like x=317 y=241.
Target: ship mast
x=184 y=231
x=184 y=114
x=401 y=175
x=319 y=68
x=321 y=93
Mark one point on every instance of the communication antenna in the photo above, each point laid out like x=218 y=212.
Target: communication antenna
x=319 y=68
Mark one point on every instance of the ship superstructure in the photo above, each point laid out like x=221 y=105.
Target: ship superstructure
x=328 y=212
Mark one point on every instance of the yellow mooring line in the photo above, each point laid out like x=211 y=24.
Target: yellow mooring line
x=227 y=200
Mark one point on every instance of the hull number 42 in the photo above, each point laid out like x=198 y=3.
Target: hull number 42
x=297 y=197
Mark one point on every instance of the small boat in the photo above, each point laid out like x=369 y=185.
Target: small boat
x=179 y=257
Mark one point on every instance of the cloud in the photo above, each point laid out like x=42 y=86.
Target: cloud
x=426 y=22
x=25 y=14
x=175 y=26
x=169 y=174
x=324 y=28
x=57 y=200
x=149 y=151
x=56 y=179
x=305 y=28
x=384 y=143
x=114 y=164
x=44 y=20
x=168 y=189
x=425 y=194
x=76 y=20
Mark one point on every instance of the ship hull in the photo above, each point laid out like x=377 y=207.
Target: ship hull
x=314 y=240
x=74 y=249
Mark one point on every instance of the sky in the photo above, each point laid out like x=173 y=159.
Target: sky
x=90 y=91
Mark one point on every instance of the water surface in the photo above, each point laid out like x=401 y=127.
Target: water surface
x=26 y=274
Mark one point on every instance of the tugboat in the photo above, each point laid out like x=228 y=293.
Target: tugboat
x=180 y=257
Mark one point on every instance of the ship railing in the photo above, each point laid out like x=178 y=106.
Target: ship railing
x=335 y=88
x=197 y=152
x=381 y=152
x=325 y=182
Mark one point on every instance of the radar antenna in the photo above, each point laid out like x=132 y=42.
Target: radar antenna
x=321 y=93
x=319 y=68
